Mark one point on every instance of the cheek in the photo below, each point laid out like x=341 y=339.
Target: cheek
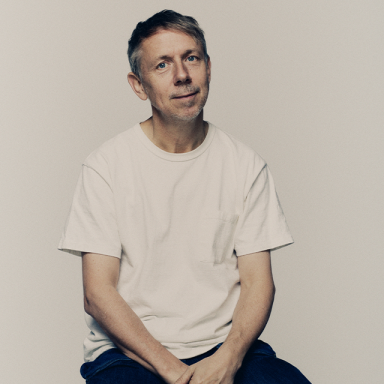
x=158 y=99
x=153 y=89
x=150 y=91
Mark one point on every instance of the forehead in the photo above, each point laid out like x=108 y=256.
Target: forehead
x=167 y=43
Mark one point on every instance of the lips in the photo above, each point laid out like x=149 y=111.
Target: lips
x=185 y=96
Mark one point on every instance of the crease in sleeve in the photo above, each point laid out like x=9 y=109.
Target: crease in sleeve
x=91 y=225
x=262 y=224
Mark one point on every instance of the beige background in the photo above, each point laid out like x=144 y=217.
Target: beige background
x=300 y=81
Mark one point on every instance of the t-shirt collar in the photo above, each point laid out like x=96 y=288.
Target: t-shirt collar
x=176 y=156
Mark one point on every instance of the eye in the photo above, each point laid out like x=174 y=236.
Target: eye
x=161 y=65
x=192 y=58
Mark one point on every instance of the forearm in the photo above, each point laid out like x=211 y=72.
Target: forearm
x=129 y=334
x=249 y=319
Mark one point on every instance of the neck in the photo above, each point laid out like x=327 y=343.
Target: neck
x=176 y=136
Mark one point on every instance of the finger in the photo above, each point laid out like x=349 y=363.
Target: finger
x=186 y=376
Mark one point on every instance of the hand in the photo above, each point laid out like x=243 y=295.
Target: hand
x=211 y=370
x=174 y=373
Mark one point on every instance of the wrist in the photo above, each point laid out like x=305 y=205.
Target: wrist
x=232 y=352
x=172 y=370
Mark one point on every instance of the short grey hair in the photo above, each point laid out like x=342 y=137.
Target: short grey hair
x=166 y=19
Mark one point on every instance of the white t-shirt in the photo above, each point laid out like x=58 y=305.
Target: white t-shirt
x=178 y=222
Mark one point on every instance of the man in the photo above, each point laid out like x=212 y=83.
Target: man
x=175 y=220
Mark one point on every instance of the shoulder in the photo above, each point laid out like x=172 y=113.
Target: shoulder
x=106 y=155
x=246 y=156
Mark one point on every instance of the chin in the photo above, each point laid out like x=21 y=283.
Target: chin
x=188 y=116
x=192 y=114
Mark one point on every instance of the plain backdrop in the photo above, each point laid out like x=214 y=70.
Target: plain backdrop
x=301 y=82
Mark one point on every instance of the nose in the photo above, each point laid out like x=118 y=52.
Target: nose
x=182 y=75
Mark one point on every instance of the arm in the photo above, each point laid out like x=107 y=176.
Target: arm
x=120 y=323
x=249 y=320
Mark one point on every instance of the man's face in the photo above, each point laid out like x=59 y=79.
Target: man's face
x=175 y=76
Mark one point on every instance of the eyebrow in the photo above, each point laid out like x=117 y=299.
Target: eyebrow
x=185 y=54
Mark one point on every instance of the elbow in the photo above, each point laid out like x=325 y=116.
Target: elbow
x=90 y=301
x=87 y=305
x=96 y=298
x=273 y=291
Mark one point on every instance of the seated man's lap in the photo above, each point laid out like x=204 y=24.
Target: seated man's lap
x=260 y=366
x=123 y=373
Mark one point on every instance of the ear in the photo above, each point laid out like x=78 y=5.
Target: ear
x=209 y=68
x=137 y=86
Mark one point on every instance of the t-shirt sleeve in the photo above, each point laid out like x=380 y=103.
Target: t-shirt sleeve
x=261 y=225
x=91 y=225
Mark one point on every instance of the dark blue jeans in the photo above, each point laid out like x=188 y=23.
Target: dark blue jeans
x=260 y=366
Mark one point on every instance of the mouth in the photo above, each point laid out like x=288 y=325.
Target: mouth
x=186 y=96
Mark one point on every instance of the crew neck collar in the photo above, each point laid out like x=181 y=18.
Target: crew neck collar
x=176 y=156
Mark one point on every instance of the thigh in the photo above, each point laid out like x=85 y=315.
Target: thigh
x=132 y=373
x=261 y=366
